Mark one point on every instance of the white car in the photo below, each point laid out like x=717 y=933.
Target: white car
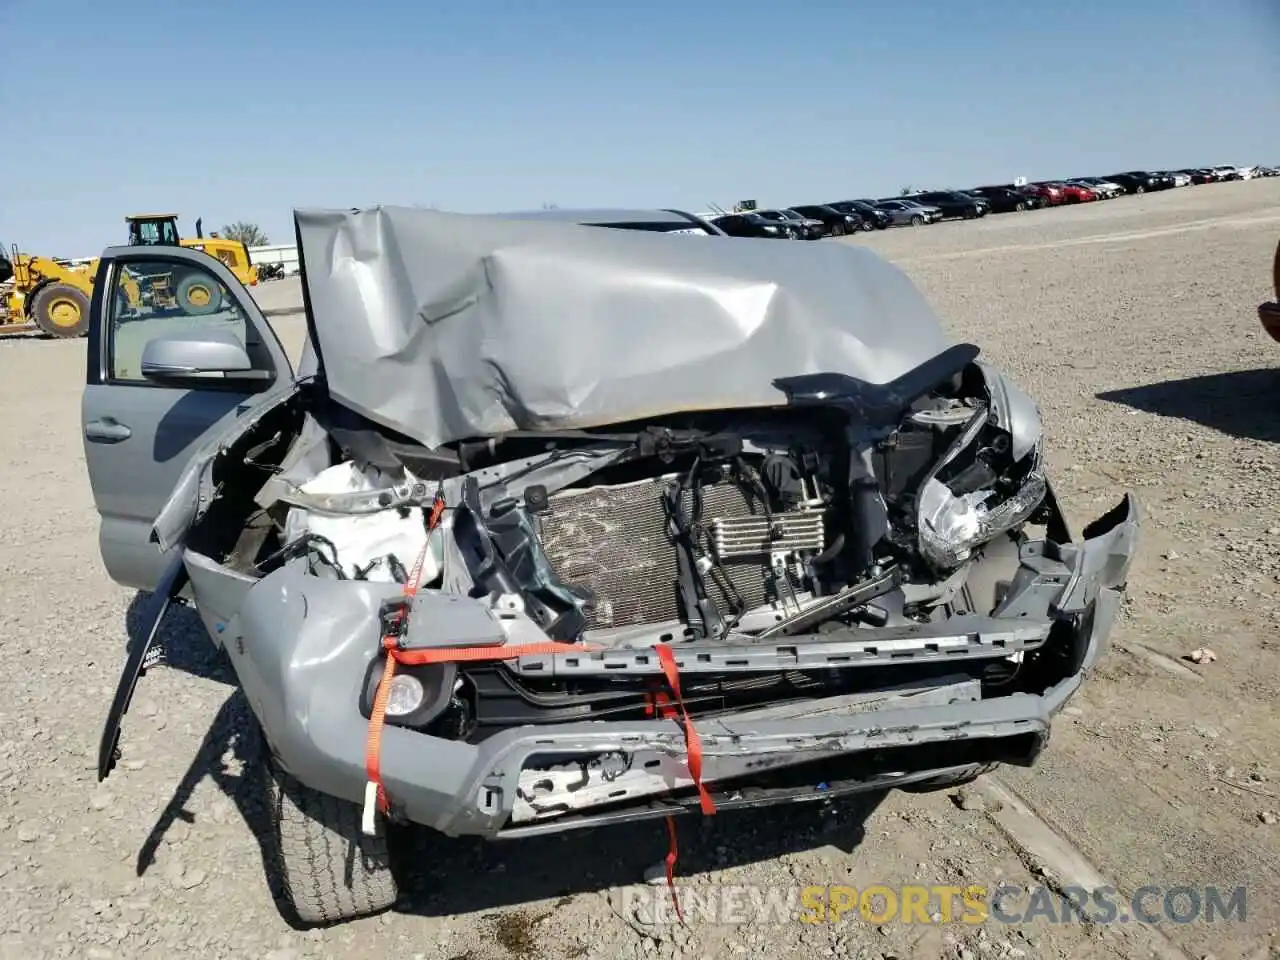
x=1181 y=179
x=1247 y=173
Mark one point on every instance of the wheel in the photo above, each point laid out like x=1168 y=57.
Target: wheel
x=1020 y=206
x=1139 y=189
x=837 y=230
x=327 y=869
x=916 y=220
x=198 y=295
x=61 y=310
x=957 y=779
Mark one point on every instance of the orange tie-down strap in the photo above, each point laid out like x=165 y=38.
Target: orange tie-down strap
x=375 y=792
x=375 y=798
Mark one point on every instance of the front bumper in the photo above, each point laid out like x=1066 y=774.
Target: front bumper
x=302 y=648
x=1269 y=316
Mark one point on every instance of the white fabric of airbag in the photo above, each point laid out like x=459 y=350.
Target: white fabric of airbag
x=360 y=540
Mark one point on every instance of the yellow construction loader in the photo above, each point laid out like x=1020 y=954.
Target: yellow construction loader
x=54 y=295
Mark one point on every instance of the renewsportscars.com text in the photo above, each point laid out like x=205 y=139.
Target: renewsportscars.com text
x=879 y=904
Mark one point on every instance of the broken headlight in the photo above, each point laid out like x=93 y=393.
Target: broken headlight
x=950 y=525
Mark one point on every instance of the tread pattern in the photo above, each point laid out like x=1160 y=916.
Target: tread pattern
x=329 y=871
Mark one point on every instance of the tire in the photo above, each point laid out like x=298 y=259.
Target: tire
x=60 y=310
x=1139 y=189
x=837 y=230
x=917 y=220
x=969 y=774
x=327 y=869
x=197 y=295
x=1020 y=207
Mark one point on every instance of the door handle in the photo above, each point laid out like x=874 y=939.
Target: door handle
x=107 y=430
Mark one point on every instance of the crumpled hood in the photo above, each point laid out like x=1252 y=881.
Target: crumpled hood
x=454 y=326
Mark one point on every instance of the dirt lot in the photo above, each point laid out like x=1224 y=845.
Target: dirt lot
x=1133 y=324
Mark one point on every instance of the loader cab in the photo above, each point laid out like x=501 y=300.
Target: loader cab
x=6 y=264
x=153 y=230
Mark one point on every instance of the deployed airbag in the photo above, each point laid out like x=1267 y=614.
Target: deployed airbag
x=381 y=546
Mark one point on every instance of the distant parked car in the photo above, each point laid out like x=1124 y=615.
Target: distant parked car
x=837 y=222
x=1269 y=171
x=1105 y=189
x=1051 y=196
x=1004 y=200
x=1072 y=192
x=909 y=212
x=1180 y=179
x=753 y=225
x=1247 y=173
x=952 y=203
x=1140 y=181
x=875 y=218
x=1200 y=175
x=808 y=228
x=1226 y=171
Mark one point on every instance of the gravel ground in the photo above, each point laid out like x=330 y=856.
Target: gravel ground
x=1131 y=321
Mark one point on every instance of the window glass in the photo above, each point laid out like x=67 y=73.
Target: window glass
x=155 y=298
x=655 y=226
x=228 y=256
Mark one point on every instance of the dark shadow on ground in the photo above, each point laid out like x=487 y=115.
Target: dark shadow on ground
x=469 y=875
x=1242 y=403
x=440 y=876
x=186 y=641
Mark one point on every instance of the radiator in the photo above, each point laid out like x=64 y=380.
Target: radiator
x=613 y=541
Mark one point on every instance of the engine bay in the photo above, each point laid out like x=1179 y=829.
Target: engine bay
x=773 y=538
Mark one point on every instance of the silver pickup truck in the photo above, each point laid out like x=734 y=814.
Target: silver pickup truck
x=565 y=522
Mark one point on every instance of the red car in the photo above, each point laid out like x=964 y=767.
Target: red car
x=1073 y=193
x=1269 y=313
x=1051 y=195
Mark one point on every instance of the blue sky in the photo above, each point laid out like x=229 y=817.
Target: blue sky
x=237 y=110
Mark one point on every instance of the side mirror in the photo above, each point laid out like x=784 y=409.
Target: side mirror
x=200 y=355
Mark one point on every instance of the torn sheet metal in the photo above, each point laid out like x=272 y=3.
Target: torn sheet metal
x=452 y=326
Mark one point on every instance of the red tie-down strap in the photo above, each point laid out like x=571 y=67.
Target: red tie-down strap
x=673 y=854
x=375 y=792
x=375 y=795
x=693 y=744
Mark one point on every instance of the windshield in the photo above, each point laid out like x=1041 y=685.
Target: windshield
x=656 y=226
x=771 y=215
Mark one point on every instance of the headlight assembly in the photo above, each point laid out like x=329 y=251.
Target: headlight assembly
x=950 y=526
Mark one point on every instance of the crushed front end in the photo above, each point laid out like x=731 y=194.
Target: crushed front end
x=863 y=587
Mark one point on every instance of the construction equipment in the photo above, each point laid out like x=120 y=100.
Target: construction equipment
x=161 y=229
x=48 y=293
x=54 y=295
